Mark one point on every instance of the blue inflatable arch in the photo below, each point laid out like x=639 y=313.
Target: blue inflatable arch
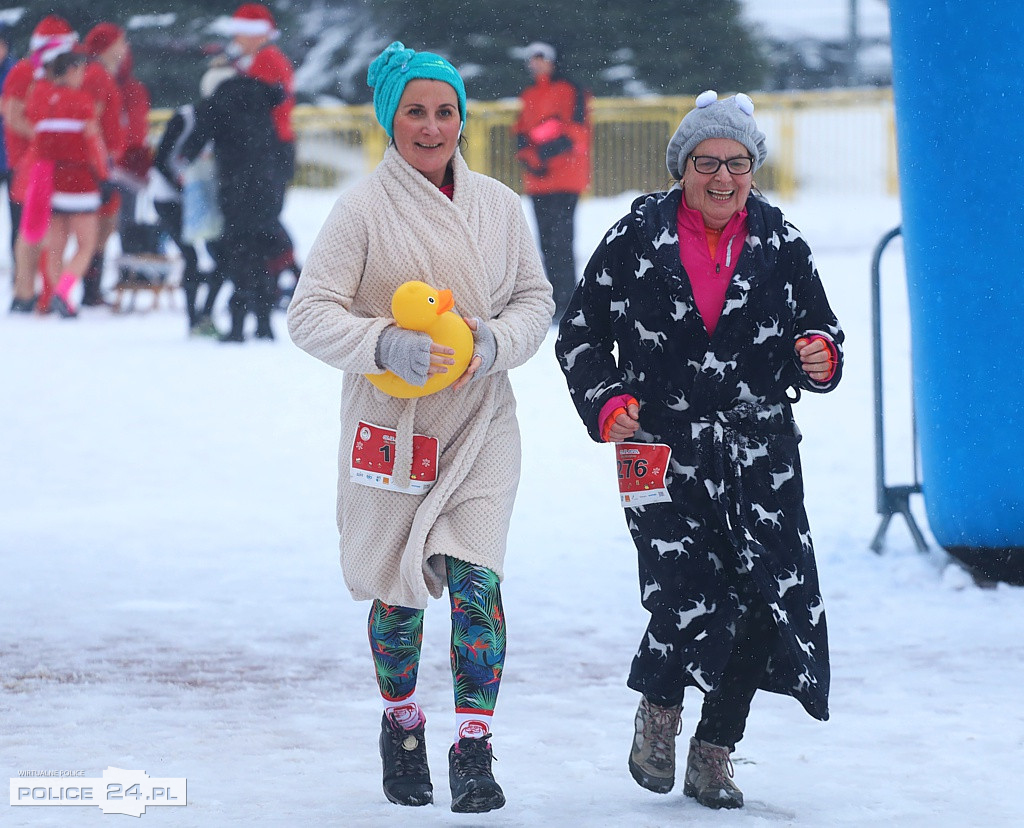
x=958 y=67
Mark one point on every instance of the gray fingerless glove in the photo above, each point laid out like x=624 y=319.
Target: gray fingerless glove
x=485 y=347
x=404 y=353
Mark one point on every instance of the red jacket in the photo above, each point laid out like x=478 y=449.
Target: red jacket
x=63 y=117
x=137 y=156
x=16 y=87
x=271 y=65
x=103 y=89
x=553 y=134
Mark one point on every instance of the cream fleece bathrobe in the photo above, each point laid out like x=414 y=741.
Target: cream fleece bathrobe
x=390 y=228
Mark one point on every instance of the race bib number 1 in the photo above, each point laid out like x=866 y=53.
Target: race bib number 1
x=641 y=469
x=373 y=460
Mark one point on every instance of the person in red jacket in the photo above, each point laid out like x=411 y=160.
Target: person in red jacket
x=553 y=139
x=132 y=171
x=50 y=36
x=106 y=47
x=63 y=194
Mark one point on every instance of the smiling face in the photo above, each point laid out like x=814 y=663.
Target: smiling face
x=722 y=194
x=426 y=127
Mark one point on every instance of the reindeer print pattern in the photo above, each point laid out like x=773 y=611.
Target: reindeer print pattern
x=735 y=535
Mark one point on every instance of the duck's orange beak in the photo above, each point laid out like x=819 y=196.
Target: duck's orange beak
x=445 y=301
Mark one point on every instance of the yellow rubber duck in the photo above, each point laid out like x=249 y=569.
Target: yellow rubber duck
x=416 y=306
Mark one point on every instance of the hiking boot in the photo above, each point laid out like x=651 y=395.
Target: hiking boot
x=709 y=776
x=404 y=754
x=652 y=760
x=474 y=790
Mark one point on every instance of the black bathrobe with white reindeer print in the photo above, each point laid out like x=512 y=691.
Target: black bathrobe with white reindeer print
x=736 y=525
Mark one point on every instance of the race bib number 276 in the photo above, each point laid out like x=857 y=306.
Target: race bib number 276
x=641 y=471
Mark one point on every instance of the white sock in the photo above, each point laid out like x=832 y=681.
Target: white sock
x=405 y=712
x=472 y=724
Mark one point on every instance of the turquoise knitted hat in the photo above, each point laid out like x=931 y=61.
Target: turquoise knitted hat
x=395 y=67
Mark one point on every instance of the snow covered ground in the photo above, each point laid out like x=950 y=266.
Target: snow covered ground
x=170 y=599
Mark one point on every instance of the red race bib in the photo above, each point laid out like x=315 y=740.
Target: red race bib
x=373 y=460
x=641 y=468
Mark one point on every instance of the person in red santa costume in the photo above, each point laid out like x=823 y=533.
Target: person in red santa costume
x=106 y=47
x=63 y=193
x=50 y=37
x=253 y=30
x=131 y=173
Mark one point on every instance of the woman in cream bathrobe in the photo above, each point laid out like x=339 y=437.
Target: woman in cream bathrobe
x=413 y=219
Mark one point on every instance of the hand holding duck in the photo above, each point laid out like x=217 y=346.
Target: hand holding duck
x=431 y=347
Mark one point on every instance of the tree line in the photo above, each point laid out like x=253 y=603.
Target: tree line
x=654 y=47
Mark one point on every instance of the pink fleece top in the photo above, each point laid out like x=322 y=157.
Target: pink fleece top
x=709 y=266
x=709 y=259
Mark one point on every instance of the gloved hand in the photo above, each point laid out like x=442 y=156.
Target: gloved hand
x=404 y=353
x=550 y=149
x=485 y=350
x=484 y=346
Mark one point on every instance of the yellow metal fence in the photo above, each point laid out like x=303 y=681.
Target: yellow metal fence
x=823 y=141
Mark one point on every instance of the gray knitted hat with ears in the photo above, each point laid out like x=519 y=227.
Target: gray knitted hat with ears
x=711 y=118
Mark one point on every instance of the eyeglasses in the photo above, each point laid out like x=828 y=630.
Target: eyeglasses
x=709 y=165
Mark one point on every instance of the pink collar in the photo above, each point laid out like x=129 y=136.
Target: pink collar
x=692 y=220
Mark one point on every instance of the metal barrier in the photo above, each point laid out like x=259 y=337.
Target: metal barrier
x=854 y=128
x=889 y=500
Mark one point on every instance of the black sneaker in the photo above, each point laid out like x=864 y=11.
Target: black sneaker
x=404 y=753
x=474 y=790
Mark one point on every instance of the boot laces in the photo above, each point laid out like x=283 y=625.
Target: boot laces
x=410 y=752
x=661 y=726
x=717 y=760
x=473 y=757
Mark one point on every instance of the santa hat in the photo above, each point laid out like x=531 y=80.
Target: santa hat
x=52 y=28
x=101 y=37
x=49 y=49
x=252 y=20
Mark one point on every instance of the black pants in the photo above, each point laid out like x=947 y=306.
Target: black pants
x=555 y=214
x=723 y=717
x=170 y=216
x=242 y=254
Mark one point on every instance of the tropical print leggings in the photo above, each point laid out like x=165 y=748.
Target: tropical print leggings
x=478 y=639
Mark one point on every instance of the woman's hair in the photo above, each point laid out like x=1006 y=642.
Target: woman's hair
x=65 y=61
